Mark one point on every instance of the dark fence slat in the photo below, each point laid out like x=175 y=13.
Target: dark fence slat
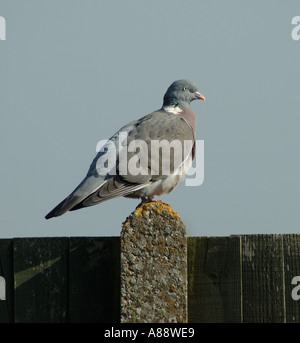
x=6 y=271
x=291 y=253
x=214 y=279
x=41 y=279
x=262 y=275
x=94 y=279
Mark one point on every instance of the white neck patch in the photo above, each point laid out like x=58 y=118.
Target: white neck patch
x=172 y=109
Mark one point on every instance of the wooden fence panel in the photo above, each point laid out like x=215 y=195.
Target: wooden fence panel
x=94 y=279
x=230 y=279
x=41 y=279
x=214 y=274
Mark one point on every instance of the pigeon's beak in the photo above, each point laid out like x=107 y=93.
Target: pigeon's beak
x=199 y=96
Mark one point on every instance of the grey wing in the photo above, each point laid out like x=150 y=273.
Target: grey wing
x=87 y=191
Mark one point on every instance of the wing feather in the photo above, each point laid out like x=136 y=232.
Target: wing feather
x=114 y=188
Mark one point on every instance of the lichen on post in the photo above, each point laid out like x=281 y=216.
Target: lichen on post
x=153 y=266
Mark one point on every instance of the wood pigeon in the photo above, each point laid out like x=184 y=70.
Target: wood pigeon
x=134 y=162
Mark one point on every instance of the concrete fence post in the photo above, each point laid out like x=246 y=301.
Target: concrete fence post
x=154 y=266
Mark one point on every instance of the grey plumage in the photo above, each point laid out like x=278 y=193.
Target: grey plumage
x=174 y=121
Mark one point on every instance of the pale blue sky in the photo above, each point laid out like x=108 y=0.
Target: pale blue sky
x=73 y=72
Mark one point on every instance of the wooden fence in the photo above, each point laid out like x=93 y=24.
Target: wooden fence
x=230 y=279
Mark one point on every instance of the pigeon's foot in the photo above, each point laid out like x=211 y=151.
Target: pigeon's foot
x=151 y=199
x=147 y=199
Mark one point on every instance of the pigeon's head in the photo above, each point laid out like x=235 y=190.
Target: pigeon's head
x=181 y=93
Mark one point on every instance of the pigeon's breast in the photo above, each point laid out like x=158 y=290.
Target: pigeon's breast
x=166 y=184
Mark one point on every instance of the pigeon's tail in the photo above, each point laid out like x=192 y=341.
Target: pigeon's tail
x=64 y=206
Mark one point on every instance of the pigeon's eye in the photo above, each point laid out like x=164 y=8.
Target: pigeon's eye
x=185 y=88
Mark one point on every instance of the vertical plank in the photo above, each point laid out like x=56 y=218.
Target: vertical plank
x=262 y=275
x=6 y=271
x=214 y=278
x=41 y=279
x=291 y=253
x=94 y=279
